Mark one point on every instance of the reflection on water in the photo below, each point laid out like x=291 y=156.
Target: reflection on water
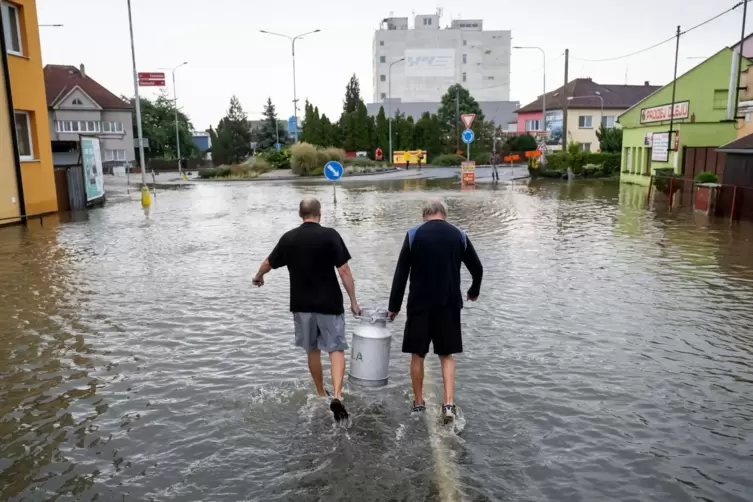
x=609 y=359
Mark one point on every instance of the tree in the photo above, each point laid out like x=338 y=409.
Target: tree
x=610 y=140
x=381 y=132
x=450 y=120
x=329 y=132
x=428 y=134
x=352 y=95
x=158 y=125
x=231 y=143
x=268 y=134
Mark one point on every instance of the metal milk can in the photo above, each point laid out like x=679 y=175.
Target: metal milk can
x=370 y=350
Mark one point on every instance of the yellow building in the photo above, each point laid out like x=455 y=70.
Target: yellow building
x=27 y=181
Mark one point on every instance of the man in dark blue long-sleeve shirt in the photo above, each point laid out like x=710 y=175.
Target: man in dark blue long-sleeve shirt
x=431 y=256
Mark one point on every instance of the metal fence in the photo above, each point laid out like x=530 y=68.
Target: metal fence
x=730 y=201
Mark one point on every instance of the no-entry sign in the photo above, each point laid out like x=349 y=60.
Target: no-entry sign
x=147 y=79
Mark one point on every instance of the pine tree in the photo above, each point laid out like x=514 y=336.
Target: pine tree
x=329 y=135
x=352 y=95
x=268 y=135
x=233 y=136
x=450 y=121
x=382 y=131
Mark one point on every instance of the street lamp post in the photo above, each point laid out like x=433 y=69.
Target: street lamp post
x=137 y=101
x=389 y=102
x=543 y=96
x=292 y=46
x=177 y=128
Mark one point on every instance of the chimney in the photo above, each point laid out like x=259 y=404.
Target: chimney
x=82 y=69
x=646 y=83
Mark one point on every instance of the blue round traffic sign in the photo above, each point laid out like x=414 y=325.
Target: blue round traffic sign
x=333 y=170
x=468 y=136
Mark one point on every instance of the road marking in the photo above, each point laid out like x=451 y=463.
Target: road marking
x=447 y=474
x=332 y=170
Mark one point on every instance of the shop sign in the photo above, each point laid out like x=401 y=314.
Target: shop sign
x=660 y=149
x=663 y=112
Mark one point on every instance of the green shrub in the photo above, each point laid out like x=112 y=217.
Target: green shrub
x=557 y=161
x=706 y=177
x=207 y=173
x=276 y=159
x=448 y=159
x=361 y=162
x=262 y=165
x=332 y=153
x=481 y=158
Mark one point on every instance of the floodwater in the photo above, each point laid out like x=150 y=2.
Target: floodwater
x=610 y=356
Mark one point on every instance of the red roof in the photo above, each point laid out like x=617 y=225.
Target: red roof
x=583 y=90
x=60 y=79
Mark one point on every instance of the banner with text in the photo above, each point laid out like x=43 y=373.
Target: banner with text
x=663 y=112
x=430 y=63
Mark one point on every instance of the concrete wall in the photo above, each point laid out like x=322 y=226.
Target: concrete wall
x=27 y=84
x=9 y=204
x=487 y=66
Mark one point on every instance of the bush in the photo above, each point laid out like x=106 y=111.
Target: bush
x=706 y=177
x=448 y=159
x=277 y=159
x=481 y=158
x=597 y=163
x=303 y=158
x=362 y=162
x=662 y=182
x=306 y=158
x=262 y=165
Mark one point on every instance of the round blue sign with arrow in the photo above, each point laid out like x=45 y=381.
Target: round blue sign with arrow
x=333 y=170
x=468 y=136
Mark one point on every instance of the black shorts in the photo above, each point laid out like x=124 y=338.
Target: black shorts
x=442 y=328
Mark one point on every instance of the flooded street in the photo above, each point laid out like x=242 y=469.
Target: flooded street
x=610 y=356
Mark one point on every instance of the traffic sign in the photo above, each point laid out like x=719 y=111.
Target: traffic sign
x=468 y=136
x=467 y=119
x=147 y=79
x=333 y=170
x=278 y=146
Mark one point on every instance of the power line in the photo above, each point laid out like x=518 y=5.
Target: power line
x=603 y=60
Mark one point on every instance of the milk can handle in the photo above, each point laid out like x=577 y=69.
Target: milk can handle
x=372 y=318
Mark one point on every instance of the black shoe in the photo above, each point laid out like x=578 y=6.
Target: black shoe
x=448 y=413
x=419 y=408
x=338 y=410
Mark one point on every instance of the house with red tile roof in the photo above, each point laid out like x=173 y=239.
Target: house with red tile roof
x=79 y=106
x=588 y=105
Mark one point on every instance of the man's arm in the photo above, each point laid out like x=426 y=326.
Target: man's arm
x=346 y=276
x=276 y=259
x=400 y=280
x=264 y=269
x=342 y=257
x=473 y=264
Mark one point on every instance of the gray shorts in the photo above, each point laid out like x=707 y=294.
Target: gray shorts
x=320 y=331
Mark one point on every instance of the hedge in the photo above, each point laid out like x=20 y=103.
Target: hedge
x=307 y=160
x=448 y=159
x=606 y=163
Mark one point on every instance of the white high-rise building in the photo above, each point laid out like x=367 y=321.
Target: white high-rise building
x=436 y=58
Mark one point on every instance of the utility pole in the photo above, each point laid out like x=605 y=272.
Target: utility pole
x=137 y=102
x=670 y=147
x=740 y=59
x=566 y=102
x=457 y=117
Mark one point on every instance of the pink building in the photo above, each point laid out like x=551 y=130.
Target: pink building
x=529 y=121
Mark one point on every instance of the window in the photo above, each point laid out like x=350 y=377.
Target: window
x=112 y=127
x=585 y=147
x=381 y=42
x=106 y=127
x=532 y=125
x=23 y=134
x=585 y=122
x=427 y=21
x=608 y=121
x=490 y=77
x=118 y=126
x=111 y=155
x=720 y=99
x=465 y=58
x=465 y=42
x=383 y=78
x=382 y=59
x=77 y=102
x=383 y=95
x=748 y=116
x=12 y=28
x=465 y=78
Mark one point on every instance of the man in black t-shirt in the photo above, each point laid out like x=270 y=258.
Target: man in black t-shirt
x=312 y=253
x=431 y=257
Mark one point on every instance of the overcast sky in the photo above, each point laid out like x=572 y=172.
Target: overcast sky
x=227 y=55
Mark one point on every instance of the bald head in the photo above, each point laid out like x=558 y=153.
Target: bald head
x=310 y=209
